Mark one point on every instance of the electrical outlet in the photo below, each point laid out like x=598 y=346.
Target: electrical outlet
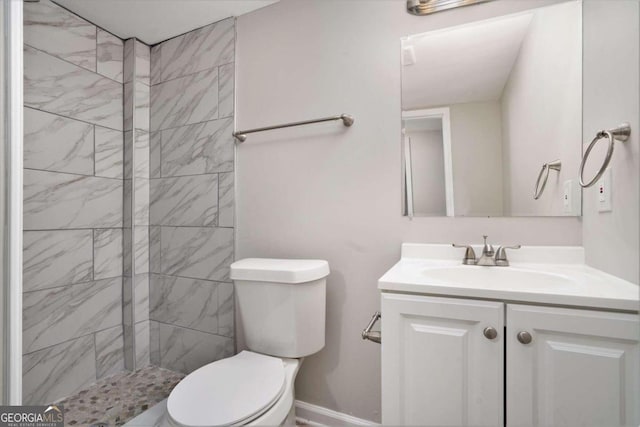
x=603 y=187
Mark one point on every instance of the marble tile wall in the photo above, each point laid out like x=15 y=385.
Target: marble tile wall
x=73 y=203
x=191 y=195
x=128 y=201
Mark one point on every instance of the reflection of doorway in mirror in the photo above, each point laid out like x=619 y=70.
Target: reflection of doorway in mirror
x=427 y=162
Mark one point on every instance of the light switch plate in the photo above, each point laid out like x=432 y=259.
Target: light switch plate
x=408 y=56
x=571 y=198
x=604 y=189
x=567 y=197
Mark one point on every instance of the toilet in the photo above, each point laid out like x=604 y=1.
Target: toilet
x=281 y=308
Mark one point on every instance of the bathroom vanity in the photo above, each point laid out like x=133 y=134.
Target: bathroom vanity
x=544 y=341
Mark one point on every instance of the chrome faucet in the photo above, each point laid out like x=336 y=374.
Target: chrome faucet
x=486 y=259
x=489 y=257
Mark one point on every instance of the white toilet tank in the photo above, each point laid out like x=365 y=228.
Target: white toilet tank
x=281 y=304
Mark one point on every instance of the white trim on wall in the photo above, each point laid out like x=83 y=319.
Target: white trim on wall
x=408 y=175
x=314 y=415
x=13 y=242
x=3 y=195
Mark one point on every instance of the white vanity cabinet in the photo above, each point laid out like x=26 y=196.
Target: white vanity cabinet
x=441 y=367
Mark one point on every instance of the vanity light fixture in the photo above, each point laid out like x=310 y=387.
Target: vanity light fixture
x=426 y=7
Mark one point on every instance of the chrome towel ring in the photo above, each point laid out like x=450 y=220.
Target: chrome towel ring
x=556 y=165
x=621 y=133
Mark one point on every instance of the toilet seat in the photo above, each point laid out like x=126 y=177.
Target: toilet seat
x=231 y=391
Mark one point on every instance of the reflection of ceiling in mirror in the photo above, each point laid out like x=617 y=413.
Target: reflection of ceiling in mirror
x=473 y=62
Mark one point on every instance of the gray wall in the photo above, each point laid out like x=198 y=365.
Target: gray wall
x=476 y=146
x=73 y=170
x=611 y=95
x=191 y=214
x=534 y=130
x=329 y=192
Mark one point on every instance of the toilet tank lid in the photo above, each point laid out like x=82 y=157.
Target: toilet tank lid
x=279 y=270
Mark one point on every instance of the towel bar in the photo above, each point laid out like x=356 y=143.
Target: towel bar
x=347 y=120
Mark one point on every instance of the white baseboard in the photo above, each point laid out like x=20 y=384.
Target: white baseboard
x=314 y=415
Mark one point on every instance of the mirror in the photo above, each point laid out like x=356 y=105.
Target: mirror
x=492 y=116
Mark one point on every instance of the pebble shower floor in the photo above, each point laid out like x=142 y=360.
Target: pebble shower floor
x=115 y=400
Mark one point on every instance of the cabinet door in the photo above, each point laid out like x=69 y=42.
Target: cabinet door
x=438 y=368
x=580 y=368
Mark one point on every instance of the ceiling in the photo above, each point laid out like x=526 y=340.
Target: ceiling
x=153 y=21
x=469 y=63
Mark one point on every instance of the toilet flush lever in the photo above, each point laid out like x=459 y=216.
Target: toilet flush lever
x=368 y=334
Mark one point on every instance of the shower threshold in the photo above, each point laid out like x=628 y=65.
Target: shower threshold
x=114 y=400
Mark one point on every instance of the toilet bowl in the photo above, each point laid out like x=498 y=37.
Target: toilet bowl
x=281 y=305
x=246 y=389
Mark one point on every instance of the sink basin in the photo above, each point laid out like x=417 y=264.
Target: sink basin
x=553 y=275
x=492 y=277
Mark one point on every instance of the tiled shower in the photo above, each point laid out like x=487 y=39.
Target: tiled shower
x=128 y=201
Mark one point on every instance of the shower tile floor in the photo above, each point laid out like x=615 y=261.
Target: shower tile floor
x=114 y=400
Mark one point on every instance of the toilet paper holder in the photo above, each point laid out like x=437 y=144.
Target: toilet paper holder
x=368 y=334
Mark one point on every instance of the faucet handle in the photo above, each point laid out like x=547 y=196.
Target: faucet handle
x=501 y=255
x=469 y=254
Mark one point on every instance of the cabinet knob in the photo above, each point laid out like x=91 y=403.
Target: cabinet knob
x=490 y=332
x=524 y=337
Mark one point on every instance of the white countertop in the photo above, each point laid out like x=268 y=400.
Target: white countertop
x=537 y=274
